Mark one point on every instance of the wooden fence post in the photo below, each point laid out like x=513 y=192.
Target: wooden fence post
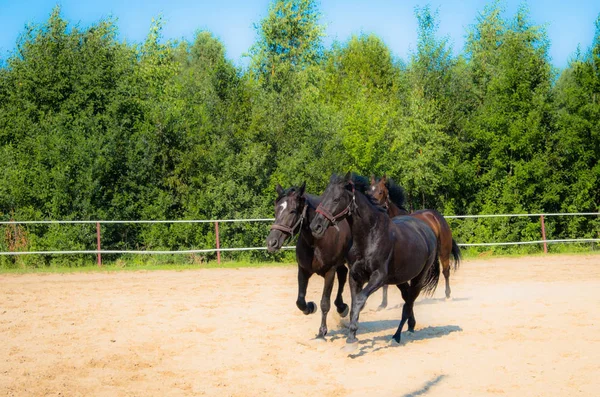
x=217 y=238
x=98 y=244
x=544 y=234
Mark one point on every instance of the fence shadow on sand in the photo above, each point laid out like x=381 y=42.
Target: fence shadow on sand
x=423 y=390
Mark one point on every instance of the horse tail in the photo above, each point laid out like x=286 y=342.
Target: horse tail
x=433 y=276
x=456 y=254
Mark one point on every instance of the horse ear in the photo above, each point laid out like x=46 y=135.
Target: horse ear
x=384 y=179
x=372 y=179
x=301 y=191
x=348 y=176
x=279 y=190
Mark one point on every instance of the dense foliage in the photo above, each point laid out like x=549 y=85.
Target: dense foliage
x=94 y=128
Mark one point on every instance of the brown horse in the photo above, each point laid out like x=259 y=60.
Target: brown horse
x=391 y=196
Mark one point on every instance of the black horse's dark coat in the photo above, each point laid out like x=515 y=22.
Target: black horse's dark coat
x=390 y=195
x=325 y=256
x=383 y=251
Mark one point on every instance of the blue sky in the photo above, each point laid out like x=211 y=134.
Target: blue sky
x=568 y=23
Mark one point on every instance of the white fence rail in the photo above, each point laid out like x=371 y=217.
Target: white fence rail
x=98 y=251
x=272 y=219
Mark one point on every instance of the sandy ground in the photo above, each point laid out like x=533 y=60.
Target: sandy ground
x=516 y=327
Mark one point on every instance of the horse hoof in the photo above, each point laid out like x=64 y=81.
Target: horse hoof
x=319 y=339
x=310 y=308
x=381 y=307
x=394 y=342
x=345 y=312
x=448 y=298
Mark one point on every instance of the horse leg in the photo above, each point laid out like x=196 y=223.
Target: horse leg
x=359 y=299
x=413 y=293
x=342 y=273
x=409 y=296
x=384 y=300
x=446 y=272
x=306 y=308
x=355 y=288
x=405 y=291
x=445 y=250
x=326 y=301
x=405 y=316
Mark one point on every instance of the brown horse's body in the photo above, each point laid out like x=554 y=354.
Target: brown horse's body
x=446 y=244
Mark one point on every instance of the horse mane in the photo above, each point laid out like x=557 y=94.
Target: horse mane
x=312 y=200
x=396 y=194
x=286 y=192
x=361 y=184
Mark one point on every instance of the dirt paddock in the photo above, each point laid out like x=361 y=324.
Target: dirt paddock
x=518 y=327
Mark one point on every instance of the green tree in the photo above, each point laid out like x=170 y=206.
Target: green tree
x=511 y=130
x=288 y=115
x=289 y=40
x=576 y=179
x=364 y=85
x=422 y=144
x=57 y=89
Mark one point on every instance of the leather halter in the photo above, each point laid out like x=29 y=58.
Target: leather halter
x=346 y=211
x=290 y=230
x=386 y=204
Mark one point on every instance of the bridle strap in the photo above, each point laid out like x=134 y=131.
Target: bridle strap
x=334 y=218
x=346 y=211
x=386 y=203
x=290 y=230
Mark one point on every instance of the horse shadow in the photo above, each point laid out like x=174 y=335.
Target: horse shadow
x=424 y=301
x=377 y=343
x=364 y=327
x=434 y=301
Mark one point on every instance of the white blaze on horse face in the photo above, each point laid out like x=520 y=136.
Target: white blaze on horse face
x=373 y=188
x=282 y=206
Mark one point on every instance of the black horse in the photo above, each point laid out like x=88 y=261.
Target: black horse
x=391 y=196
x=384 y=251
x=294 y=210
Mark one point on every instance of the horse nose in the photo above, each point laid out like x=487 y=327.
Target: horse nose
x=318 y=228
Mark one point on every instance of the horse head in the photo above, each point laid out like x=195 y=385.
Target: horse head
x=290 y=212
x=337 y=202
x=379 y=190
